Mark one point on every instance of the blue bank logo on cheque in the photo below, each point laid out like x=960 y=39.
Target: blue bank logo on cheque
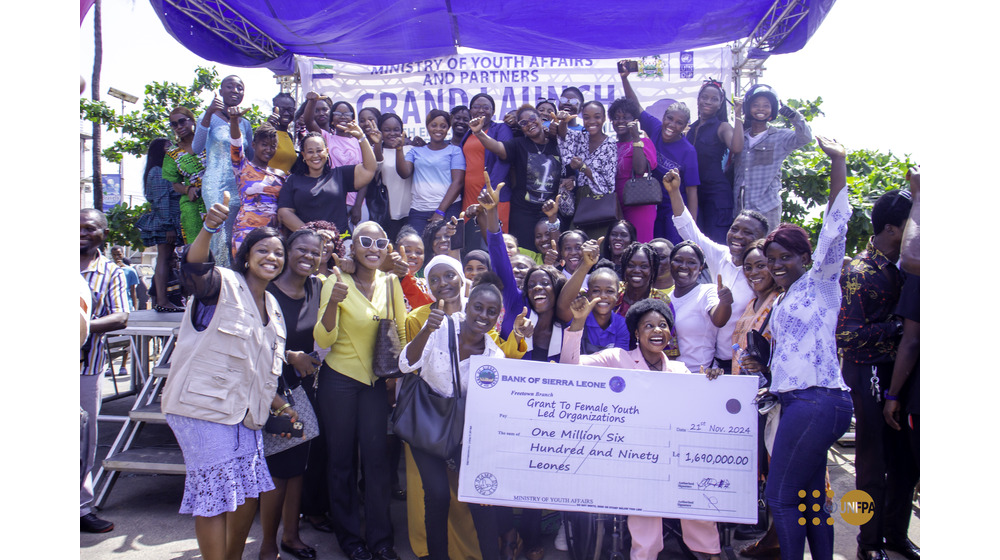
x=617 y=384
x=487 y=376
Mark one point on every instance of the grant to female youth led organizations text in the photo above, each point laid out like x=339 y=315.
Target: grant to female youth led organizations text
x=581 y=438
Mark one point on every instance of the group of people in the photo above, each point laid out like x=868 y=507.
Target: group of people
x=471 y=243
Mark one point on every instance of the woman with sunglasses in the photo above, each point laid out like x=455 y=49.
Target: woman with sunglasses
x=354 y=402
x=183 y=167
x=537 y=166
x=816 y=406
x=315 y=191
x=571 y=100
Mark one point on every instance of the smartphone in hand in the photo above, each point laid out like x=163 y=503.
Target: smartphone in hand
x=628 y=65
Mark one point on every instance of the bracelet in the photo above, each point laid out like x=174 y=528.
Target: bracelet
x=889 y=397
x=205 y=227
x=281 y=409
x=553 y=226
x=637 y=144
x=439 y=212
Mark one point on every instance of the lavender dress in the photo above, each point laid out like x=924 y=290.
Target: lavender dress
x=225 y=464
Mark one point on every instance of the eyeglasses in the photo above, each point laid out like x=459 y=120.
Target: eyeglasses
x=366 y=242
x=572 y=101
x=338 y=114
x=179 y=122
x=529 y=119
x=766 y=402
x=541 y=100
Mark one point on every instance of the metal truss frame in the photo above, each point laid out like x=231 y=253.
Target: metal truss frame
x=226 y=23
x=749 y=55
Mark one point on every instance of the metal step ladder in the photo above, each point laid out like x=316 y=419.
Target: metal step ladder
x=125 y=455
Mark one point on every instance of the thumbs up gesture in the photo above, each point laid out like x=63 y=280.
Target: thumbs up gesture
x=218 y=213
x=339 y=291
x=725 y=294
x=551 y=254
x=523 y=328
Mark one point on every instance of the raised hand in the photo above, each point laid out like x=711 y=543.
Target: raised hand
x=672 y=181
x=235 y=112
x=275 y=118
x=217 y=106
x=831 y=148
x=351 y=128
x=375 y=136
x=623 y=70
x=581 y=307
x=510 y=119
x=489 y=197
x=591 y=252
x=218 y=213
x=434 y=320
x=551 y=207
x=725 y=294
x=476 y=124
x=339 y=291
x=551 y=254
x=738 y=108
x=345 y=264
x=523 y=328
x=633 y=130
x=913 y=176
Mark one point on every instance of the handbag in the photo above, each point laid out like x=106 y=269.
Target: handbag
x=426 y=420
x=385 y=361
x=307 y=416
x=759 y=348
x=642 y=190
x=595 y=210
x=377 y=200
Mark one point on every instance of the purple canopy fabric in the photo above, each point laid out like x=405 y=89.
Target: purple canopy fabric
x=379 y=32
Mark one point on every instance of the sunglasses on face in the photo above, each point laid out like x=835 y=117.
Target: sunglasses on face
x=366 y=242
x=574 y=101
x=338 y=114
x=541 y=100
x=179 y=122
x=529 y=119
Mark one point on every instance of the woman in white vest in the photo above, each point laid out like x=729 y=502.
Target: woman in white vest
x=222 y=383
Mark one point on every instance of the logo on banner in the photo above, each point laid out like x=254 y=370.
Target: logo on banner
x=687 y=64
x=651 y=67
x=486 y=484
x=617 y=384
x=112 y=183
x=487 y=377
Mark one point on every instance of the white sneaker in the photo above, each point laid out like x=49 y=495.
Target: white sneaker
x=560 y=542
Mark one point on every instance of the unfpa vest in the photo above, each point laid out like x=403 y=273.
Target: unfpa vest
x=229 y=372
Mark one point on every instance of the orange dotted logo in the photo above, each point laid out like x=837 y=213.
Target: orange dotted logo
x=857 y=507
x=811 y=514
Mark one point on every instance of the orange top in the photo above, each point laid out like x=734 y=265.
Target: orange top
x=475 y=165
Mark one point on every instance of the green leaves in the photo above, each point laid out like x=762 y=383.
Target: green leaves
x=805 y=180
x=121 y=225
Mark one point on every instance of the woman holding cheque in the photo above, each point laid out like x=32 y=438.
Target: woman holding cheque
x=441 y=352
x=649 y=323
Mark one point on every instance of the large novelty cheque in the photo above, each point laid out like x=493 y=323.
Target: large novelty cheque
x=582 y=438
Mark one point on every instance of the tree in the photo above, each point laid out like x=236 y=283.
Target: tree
x=95 y=92
x=805 y=180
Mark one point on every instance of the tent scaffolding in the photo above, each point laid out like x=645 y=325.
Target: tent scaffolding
x=218 y=18
x=750 y=54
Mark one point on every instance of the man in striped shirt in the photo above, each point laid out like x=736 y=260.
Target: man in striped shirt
x=109 y=312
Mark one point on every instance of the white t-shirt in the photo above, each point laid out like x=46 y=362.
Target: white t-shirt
x=696 y=334
x=432 y=174
x=398 y=187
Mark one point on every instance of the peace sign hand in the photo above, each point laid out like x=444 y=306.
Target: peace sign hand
x=489 y=197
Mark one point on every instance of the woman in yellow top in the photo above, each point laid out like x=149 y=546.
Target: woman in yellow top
x=353 y=402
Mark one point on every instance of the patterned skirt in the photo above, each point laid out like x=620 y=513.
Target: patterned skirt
x=225 y=465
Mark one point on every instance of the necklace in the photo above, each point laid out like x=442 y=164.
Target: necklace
x=653 y=366
x=539 y=147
